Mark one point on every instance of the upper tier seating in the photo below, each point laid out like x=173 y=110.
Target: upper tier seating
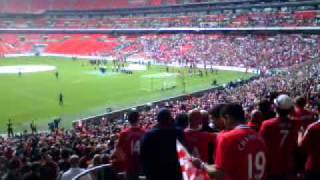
x=236 y=19
x=38 y=6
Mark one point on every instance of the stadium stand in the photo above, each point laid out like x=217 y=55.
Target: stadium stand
x=218 y=49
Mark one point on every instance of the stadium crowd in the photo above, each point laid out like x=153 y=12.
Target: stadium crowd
x=263 y=52
x=257 y=51
x=201 y=123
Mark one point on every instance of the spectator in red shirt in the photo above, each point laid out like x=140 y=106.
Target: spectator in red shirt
x=197 y=142
x=241 y=152
x=256 y=119
x=301 y=114
x=310 y=144
x=280 y=135
x=128 y=147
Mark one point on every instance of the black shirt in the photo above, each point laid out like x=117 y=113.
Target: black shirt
x=159 y=154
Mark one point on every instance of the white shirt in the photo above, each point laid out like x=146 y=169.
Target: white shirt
x=73 y=172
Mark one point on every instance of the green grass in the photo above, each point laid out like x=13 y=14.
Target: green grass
x=35 y=96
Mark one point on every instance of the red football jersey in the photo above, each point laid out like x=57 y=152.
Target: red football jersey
x=302 y=113
x=241 y=154
x=281 y=141
x=129 y=143
x=311 y=145
x=198 y=142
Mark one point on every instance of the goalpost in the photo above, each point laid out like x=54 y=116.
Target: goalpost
x=160 y=81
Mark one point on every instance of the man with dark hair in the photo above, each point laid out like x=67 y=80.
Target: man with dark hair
x=49 y=169
x=264 y=106
x=158 y=149
x=181 y=121
x=241 y=152
x=128 y=147
x=205 y=121
x=218 y=122
x=64 y=164
x=280 y=135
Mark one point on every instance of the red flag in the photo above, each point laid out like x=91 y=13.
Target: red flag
x=189 y=171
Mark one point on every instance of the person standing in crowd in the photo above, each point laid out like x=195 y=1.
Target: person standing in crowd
x=218 y=123
x=206 y=128
x=197 y=142
x=205 y=122
x=14 y=170
x=256 y=119
x=128 y=147
x=301 y=114
x=49 y=170
x=240 y=153
x=64 y=163
x=280 y=135
x=310 y=144
x=158 y=149
x=74 y=170
x=265 y=107
x=181 y=121
x=10 y=128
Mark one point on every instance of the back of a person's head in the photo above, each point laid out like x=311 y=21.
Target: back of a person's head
x=133 y=116
x=14 y=164
x=264 y=105
x=204 y=117
x=65 y=153
x=215 y=112
x=164 y=117
x=300 y=102
x=181 y=120
x=49 y=171
x=233 y=112
x=284 y=105
x=74 y=161
x=256 y=117
x=195 y=119
x=96 y=161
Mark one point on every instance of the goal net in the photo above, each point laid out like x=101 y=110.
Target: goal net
x=160 y=81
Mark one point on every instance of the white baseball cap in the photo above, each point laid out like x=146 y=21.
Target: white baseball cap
x=283 y=102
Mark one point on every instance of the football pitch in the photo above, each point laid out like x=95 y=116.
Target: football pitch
x=35 y=96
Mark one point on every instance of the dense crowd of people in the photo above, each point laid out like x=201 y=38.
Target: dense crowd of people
x=143 y=142
x=246 y=51
x=263 y=52
x=267 y=128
